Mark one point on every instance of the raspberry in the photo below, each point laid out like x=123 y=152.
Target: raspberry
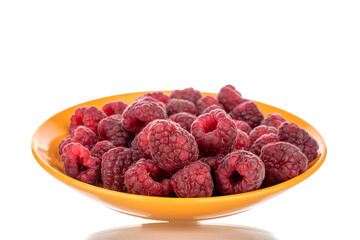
x=261 y=130
x=86 y=116
x=160 y=96
x=171 y=146
x=243 y=126
x=283 y=161
x=141 y=112
x=116 y=107
x=100 y=148
x=215 y=132
x=214 y=161
x=134 y=143
x=243 y=141
x=248 y=112
x=194 y=180
x=83 y=135
x=189 y=94
x=63 y=143
x=148 y=98
x=273 y=120
x=114 y=164
x=79 y=164
x=205 y=102
x=229 y=97
x=184 y=119
x=212 y=107
x=110 y=128
x=139 y=179
x=239 y=172
x=143 y=141
x=292 y=133
x=262 y=141
x=180 y=105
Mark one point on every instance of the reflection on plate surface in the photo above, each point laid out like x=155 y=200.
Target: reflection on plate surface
x=183 y=231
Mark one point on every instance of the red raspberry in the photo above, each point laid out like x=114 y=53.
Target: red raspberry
x=215 y=132
x=184 y=119
x=63 y=143
x=283 y=161
x=171 y=146
x=83 y=135
x=243 y=141
x=214 y=161
x=116 y=107
x=261 y=130
x=205 y=102
x=160 y=96
x=143 y=141
x=239 y=172
x=273 y=120
x=243 y=126
x=189 y=94
x=114 y=164
x=139 y=179
x=134 y=143
x=248 y=112
x=146 y=97
x=180 y=105
x=86 y=116
x=292 y=133
x=213 y=107
x=100 y=148
x=194 y=180
x=262 y=141
x=79 y=164
x=229 y=97
x=110 y=128
x=141 y=112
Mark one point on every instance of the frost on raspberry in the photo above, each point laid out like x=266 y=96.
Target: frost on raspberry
x=259 y=143
x=184 y=119
x=180 y=105
x=261 y=130
x=189 y=94
x=100 y=148
x=249 y=112
x=160 y=96
x=83 y=135
x=273 y=120
x=86 y=116
x=229 y=97
x=171 y=146
x=115 y=107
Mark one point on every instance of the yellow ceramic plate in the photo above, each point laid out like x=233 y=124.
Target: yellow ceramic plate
x=48 y=136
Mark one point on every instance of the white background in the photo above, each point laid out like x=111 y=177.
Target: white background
x=301 y=56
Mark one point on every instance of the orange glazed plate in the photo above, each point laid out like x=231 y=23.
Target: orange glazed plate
x=47 y=137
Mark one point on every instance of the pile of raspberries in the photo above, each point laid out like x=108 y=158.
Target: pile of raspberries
x=184 y=145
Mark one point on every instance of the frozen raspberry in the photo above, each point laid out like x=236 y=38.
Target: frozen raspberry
x=100 y=148
x=261 y=130
x=79 y=164
x=262 y=141
x=184 y=119
x=137 y=115
x=86 y=116
x=116 y=107
x=63 y=143
x=213 y=107
x=204 y=102
x=194 y=180
x=243 y=126
x=248 y=112
x=180 y=105
x=283 y=161
x=273 y=120
x=229 y=97
x=134 y=143
x=171 y=146
x=215 y=132
x=189 y=94
x=140 y=179
x=114 y=164
x=239 y=172
x=160 y=96
x=143 y=141
x=148 y=98
x=83 y=135
x=214 y=161
x=110 y=128
x=243 y=141
x=292 y=133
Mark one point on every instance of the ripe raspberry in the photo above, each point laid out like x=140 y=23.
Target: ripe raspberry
x=110 y=128
x=243 y=126
x=248 y=112
x=229 y=97
x=239 y=172
x=139 y=179
x=149 y=98
x=184 y=119
x=63 y=143
x=171 y=146
x=204 y=102
x=292 y=133
x=143 y=141
x=86 y=116
x=114 y=164
x=189 y=94
x=243 y=141
x=194 y=180
x=262 y=141
x=273 y=120
x=160 y=96
x=283 y=161
x=180 y=105
x=83 y=135
x=215 y=132
x=213 y=107
x=141 y=112
x=116 y=107
x=79 y=164
x=134 y=143
x=261 y=130
x=214 y=161
x=100 y=148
